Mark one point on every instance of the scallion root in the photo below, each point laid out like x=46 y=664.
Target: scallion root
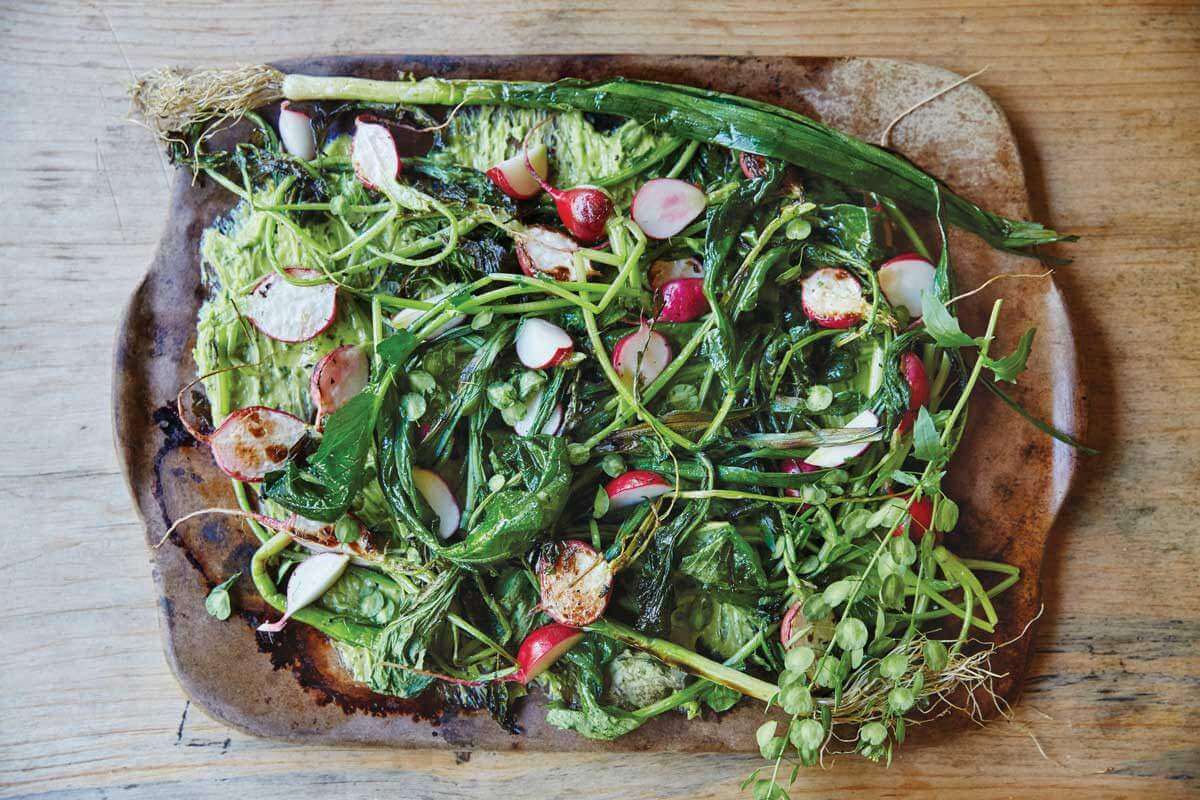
x=173 y=99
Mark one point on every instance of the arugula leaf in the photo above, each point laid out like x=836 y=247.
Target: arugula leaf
x=927 y=445
x=217 y=603
x=941 y=326
x=1013 y=364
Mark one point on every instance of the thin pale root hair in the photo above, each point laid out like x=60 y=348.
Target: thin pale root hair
x=172 y=99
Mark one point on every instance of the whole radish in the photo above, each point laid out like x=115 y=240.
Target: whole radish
x=584 y=210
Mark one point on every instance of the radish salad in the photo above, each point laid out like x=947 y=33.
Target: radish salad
x=541 y=394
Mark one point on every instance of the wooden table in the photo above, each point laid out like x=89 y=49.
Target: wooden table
x=1105 y=99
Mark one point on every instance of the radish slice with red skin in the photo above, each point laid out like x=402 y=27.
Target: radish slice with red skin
x=662 y=272
x=663 y=207
x=794 y=621
x=683 y=300
x=554 y=422
x=645 y=352
x=542 y=344
x=439 y=497
x=542 y=648
x=634 y=486
x=543 y=252
x=337 y=377
x=920 y=519
x=313 y=577
x=913 y=371
x=576 y=584
x=290 y=313
x=904 y=279
x=835 y=455
x=512 y=177
x=253 y=441
x=794 y=466
x=833 y=298
x=373 y=153
x=296 y=132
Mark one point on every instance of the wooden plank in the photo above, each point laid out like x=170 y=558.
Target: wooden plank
x=1104 y=99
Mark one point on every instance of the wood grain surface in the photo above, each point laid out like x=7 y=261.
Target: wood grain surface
x=1105 y=99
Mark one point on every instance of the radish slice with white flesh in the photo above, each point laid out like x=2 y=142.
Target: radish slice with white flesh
x=313 y=577
x=644 y=352
x=904 y=279
x=635 y=486
x=546 y=253
x=663 y=272
x=795 y=630
x=439 y=497
x=512 y=177
x=542 y=344
x=405 y=317
x=253 y=441
x=835 y=455
x=683 y=300
x=337 y=377
x=369 y=550
x=576 y=584
x=373 y=153
x=296 y=132
x=833 y=298
x=664 y=206
x=542 y=648
x=553 y=425
x=290 y=313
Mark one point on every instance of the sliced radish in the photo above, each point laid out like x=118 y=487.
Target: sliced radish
x=312 y=578
x=255 y=440
x=838 y=454
x=662 y=272
x=753 y=165
x=405 y=317
x=644 y=352
x=439 y=497
x=683 y=300
x=635 y=486
x=664 y=206
x=288 y=312
x=542 y=344
x=792 y=631
x=833 y=298
x=576 y=584
x=544 y=252
x=296 y=132
x=553 y=426
x=373 y=153
x=904 y=279
x=920 y=519
x=337 y=377
x=542 y=648
x=794 y=466
x=913 y=371
x=318 y=537
x=512 y=177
